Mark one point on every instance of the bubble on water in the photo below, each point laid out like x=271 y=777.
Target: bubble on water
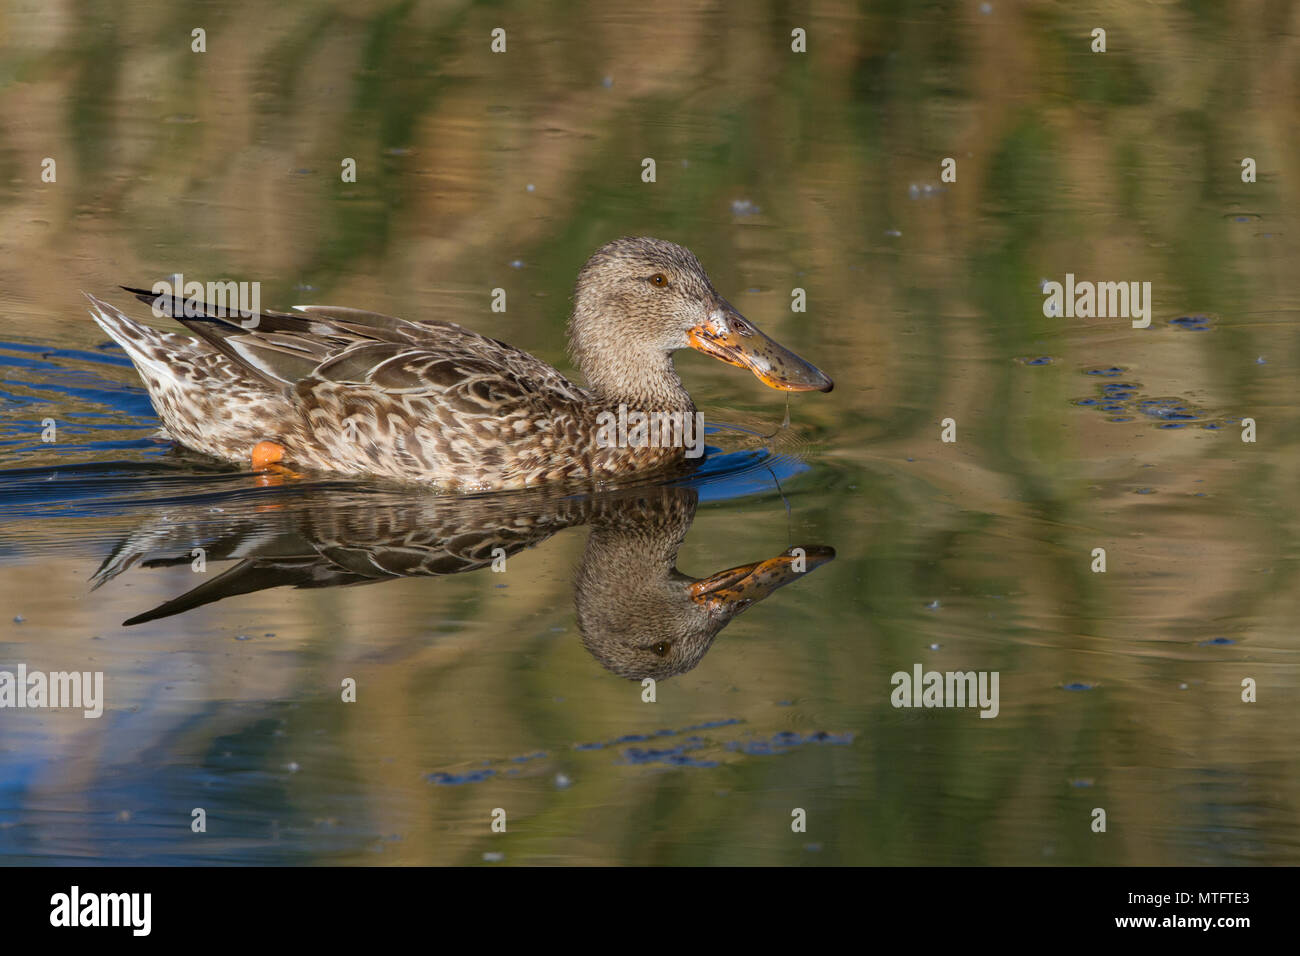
x=493 y=857
x=292 y=766
x=530 y=187
x=924 y=190
x=18 y=619
x=933 y=605
x=516 y=263
x=1077 y=685
x=744 y=207
x=562 y=782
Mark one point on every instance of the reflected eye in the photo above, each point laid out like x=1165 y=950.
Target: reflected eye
x=659 y=279
x=662 y=648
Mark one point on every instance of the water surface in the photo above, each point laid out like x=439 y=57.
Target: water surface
x=821 y=171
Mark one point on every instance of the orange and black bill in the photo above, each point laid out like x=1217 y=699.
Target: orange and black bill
x=735 y=589
x=730 y=337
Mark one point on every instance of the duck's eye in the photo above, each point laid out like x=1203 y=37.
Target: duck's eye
x=659 y=279
x=662 y=648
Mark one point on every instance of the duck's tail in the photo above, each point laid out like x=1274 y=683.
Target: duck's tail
x=206 y=402
x=148 y=348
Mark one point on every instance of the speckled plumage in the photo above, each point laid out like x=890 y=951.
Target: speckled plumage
x=360 y=393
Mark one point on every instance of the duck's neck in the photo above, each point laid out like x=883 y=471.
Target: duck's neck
x=645 y=383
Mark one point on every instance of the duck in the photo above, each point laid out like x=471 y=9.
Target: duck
x=362 y=394
x=637 y=615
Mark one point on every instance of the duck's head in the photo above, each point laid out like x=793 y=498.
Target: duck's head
x=638 y=300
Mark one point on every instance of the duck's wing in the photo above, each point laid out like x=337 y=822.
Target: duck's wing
x=349 y=346
x=443 y=404
x=424 y=401
x=486 y=420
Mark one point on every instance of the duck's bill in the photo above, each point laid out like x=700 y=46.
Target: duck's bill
x=735 y=589
x=730 y=337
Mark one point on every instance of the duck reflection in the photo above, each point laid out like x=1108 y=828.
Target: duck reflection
x=637 y=614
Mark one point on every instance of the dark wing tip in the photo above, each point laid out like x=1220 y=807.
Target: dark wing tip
x=175 y=306
x=160 y=301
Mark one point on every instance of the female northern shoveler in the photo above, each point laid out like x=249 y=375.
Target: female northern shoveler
x=356 y=392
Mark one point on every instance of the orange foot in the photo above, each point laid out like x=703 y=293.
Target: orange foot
x=266 y=454
x=265 y=458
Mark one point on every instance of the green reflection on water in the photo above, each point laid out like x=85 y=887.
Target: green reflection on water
x=1119 y=166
